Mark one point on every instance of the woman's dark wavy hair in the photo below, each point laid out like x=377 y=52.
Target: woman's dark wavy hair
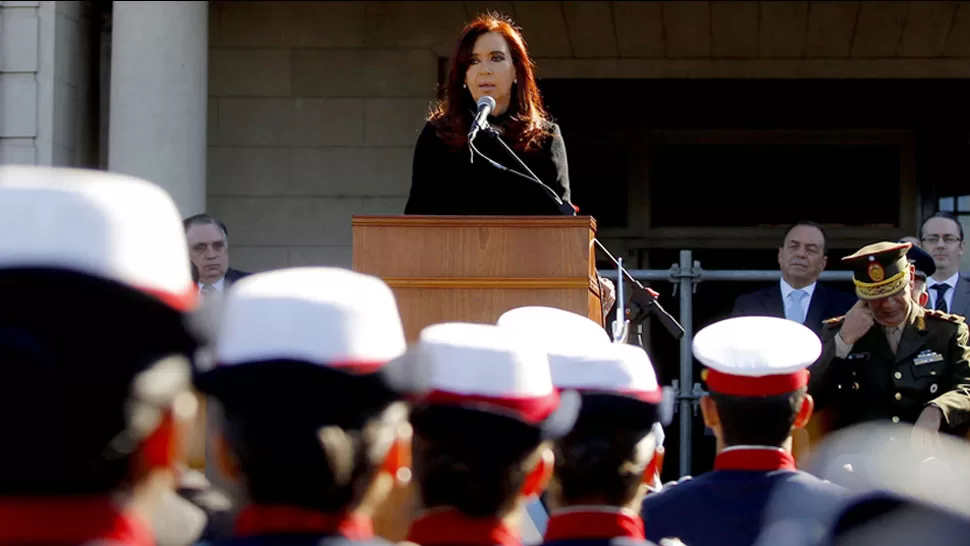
x=527 y=123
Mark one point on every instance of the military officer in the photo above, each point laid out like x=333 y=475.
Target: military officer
x=603 y=466
x=889 y=358
x=313 y=429
x=757 y=377
x=96 y=355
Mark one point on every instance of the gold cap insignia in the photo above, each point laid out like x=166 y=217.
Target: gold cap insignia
x=876 y=272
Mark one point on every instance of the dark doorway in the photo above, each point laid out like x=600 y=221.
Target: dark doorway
x=827 y=137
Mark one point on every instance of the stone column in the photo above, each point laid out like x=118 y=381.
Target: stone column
x=159 y=92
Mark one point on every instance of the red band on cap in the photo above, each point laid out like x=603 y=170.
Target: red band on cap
x=651 y=397
x=530 y=410
x=184 y=301
x=357 y=367
x=768 y=385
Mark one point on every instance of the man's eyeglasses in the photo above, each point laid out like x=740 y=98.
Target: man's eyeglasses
x=948 y=239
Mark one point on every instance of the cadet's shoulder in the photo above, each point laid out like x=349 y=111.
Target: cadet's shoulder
x=683 y=490
x=810 y=483
x=933 y=314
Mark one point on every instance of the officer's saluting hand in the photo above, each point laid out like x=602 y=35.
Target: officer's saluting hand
x=857 y=322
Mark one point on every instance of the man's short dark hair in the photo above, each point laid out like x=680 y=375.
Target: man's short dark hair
x=204 y=220
x=942 y=214
x=809 y=223
x=598 y=462
x=757 y=420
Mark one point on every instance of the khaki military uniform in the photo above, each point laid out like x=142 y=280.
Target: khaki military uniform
x=931 y=365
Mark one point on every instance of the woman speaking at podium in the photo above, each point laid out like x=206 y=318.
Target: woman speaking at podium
x=448 y=178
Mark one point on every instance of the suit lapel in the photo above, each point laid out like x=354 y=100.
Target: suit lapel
x=774 y=307
x=913 y=339
x=961 y=296
x=815 y=307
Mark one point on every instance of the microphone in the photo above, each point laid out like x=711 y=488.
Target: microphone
x=486 y=105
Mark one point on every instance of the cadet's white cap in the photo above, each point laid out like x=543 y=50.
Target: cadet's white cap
x=569 y=340
x=582 y=357
x=564 y=329
x=306 y=344
x=488 y=368
x=327 y=316
x=756 y=356
x=105 y=225
x=620 y=369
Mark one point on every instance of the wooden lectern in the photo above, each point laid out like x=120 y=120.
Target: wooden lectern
x=473 y=269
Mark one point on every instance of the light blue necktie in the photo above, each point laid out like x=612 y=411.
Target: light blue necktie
x=796 y=311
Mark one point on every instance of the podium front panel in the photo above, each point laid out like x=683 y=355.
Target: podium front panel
x=473 y=269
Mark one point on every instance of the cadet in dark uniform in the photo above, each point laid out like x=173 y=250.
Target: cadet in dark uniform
x=757 y=379
x=485 y=408
x=96 y=354
x=312 y=428
x=891 y=359
x=605 y=464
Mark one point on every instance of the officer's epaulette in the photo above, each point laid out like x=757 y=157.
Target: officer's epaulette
x=944 y=316
x=833 y=321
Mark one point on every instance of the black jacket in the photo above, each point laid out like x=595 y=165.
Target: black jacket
x=445 y=182
x=826 y=303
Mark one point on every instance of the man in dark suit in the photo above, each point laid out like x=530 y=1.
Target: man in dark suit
x=942 y=236
x=208 y=240
x=798 y=296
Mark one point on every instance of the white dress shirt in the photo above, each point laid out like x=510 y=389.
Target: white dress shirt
x=948 y=297
x=217 y=286
x=786 y=299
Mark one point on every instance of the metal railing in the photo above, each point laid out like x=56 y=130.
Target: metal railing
x=685 y=276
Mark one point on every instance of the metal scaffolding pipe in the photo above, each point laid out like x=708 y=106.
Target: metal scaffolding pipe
x=751 y=275
x=686 y=362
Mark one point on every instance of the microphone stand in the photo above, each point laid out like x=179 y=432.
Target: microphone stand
x=643 y=303
x=565 y=208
